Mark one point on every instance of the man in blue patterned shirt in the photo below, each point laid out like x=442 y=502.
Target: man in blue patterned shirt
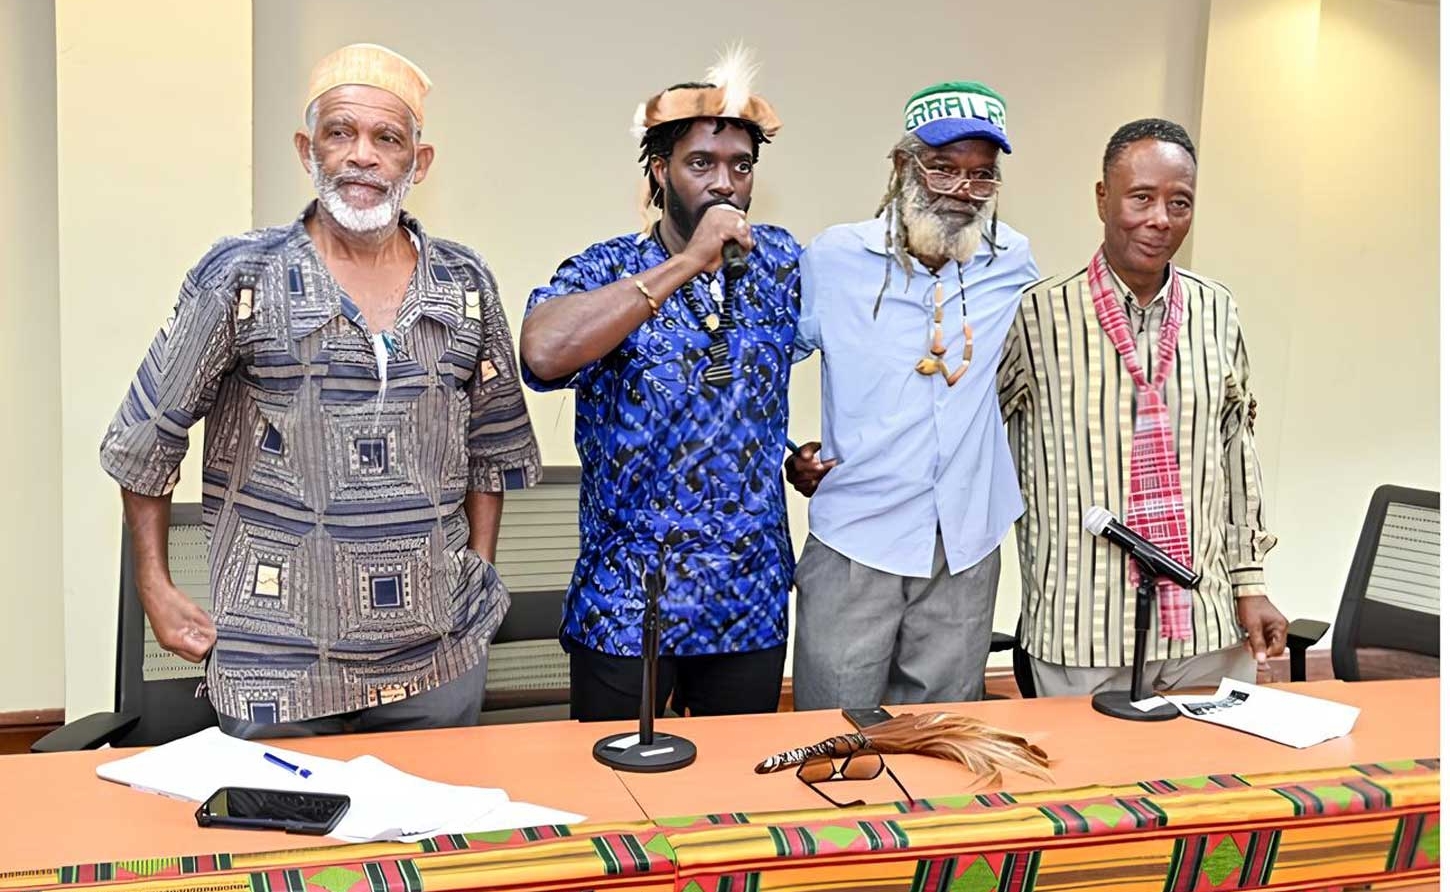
x=681 y=376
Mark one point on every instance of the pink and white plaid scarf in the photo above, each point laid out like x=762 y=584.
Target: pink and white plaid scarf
x=1155 y=496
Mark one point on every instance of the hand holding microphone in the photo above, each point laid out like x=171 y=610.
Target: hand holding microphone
x=722 y=238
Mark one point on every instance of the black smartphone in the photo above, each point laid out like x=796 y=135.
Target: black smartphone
x=865 y=718
x=252 y=809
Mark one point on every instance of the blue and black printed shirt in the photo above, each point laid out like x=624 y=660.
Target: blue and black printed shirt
x=667 y=448
x=333 y=494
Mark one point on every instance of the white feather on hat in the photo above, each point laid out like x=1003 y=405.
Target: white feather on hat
x=637 y=128
x=729 y=94
x=734 y=73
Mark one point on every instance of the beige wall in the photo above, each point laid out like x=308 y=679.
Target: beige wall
x=1318 y=205
x=1362 y=396
x=154 y=105
x=1246 y=235
x=535 y=163
x=31 y=652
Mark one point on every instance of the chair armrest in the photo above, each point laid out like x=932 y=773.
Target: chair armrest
x=1302 y=634
x=1306 y=632
x=86 y=734
x=1002 y=641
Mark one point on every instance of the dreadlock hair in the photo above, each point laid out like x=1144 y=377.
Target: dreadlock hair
x=659 y=140
x=893 y=203
x=1146 y=128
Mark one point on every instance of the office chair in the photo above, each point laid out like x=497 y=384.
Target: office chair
x=1388 y=625
x=156 y=692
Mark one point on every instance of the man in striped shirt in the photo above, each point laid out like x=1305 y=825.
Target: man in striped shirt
x=1072 y=396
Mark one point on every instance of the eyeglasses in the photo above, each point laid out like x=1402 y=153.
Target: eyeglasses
x=979 y=183
x=865 y=764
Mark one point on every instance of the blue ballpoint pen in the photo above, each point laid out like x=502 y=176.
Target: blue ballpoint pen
x=283 y=763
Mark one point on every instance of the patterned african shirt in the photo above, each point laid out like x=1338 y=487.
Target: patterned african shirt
x=341 y=576
x=679 y=468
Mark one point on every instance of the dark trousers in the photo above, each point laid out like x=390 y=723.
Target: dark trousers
x=604 y=687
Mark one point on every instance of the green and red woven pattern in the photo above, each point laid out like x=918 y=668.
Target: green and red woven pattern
x=1314 y=829
x=1360 y=825
x=588 y=855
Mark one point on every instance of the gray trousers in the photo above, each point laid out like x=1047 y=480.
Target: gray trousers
x=864 y=637
x=453 y=705
x=1204 y=670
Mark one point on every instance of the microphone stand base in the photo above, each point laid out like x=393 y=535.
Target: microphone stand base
x=1119 y=705
x=667 y=753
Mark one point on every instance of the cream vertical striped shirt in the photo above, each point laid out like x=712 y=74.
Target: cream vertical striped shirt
x=1068 y=403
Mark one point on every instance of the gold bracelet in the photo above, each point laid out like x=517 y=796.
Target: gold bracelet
x=654 y=305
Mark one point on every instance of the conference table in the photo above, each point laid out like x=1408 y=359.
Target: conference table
x=1178 y=805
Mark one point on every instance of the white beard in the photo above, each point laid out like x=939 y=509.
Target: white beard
x=930 y=235
x=360 y=220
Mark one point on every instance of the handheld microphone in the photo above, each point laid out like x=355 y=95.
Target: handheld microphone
x=1101 y=522
x=734 y=260
x=732 y=254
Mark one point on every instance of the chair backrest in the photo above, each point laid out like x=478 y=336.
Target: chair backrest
x=150 y=682
x=538 y=543
x=1388 y=624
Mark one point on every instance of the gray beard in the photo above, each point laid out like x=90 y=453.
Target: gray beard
x=363 y=221
x=931 y=235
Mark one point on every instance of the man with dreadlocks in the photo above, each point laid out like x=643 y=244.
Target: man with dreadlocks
x=680 y=376
x=898 y=580
x=1125 y=385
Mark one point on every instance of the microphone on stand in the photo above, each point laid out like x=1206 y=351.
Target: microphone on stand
x=1101 y=522
x=1152 y=562
x=646 y=750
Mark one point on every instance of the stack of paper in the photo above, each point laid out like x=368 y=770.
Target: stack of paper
x=386 y=803
x=1278 y=715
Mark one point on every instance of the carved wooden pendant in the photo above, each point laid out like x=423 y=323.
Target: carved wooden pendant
x=931 y=365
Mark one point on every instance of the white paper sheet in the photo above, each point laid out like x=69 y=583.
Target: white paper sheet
x=386 y=803
x=198 y=765
x=1281 y=716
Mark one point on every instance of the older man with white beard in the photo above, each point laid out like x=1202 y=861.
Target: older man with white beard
x=916 y=490
x=364 y=417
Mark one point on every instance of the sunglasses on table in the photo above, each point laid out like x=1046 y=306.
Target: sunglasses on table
x=865 y=764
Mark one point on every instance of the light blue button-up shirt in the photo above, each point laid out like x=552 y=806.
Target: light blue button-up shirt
x=914 y=453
